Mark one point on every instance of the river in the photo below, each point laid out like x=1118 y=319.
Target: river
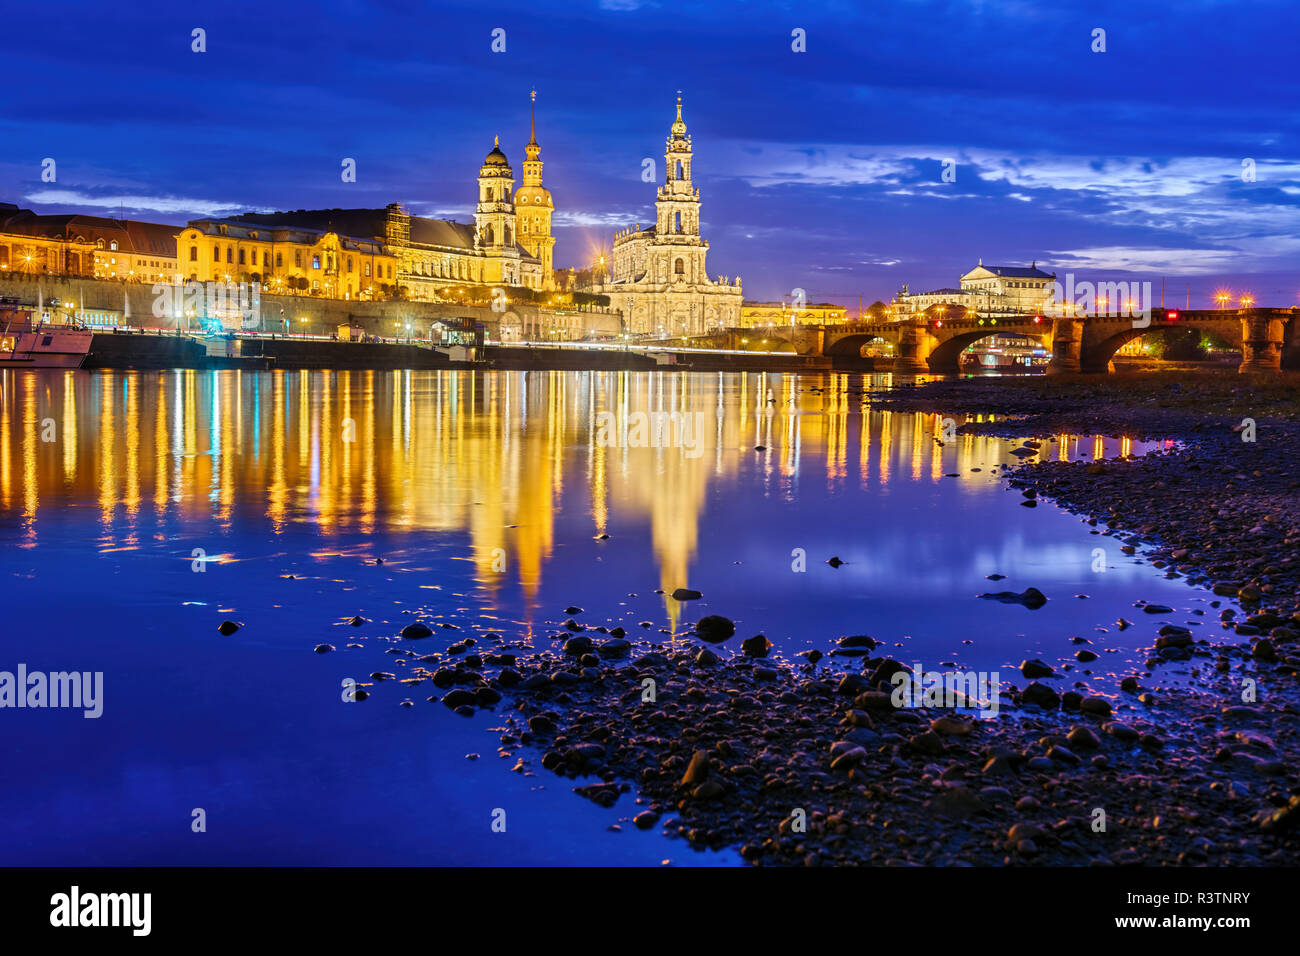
x=138 y=511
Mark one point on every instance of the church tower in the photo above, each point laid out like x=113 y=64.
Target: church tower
x=494 y=219
x=533 y=207
x=678 y=209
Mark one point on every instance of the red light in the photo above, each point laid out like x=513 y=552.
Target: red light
x=1173 y=316
x=938 y=325
x=1037 y=319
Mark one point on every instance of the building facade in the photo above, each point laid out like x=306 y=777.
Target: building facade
x=775 y=314
x=89 y=246
x=988 y=289
x=285 y=259
x=658 y=277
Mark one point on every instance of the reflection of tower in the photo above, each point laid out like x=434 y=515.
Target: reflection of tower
x=494 y=218
x=533 y=207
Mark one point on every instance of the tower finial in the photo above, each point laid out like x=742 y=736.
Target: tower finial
x=532 y=139
x=679 y=104
x=496 y=140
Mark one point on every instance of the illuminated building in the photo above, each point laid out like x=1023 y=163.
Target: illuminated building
x=87 y=246
x=658 y=277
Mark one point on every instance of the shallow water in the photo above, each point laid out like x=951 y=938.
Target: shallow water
x=140 y=510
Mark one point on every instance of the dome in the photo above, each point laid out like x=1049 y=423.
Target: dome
x=496 y=157
x=535 y=195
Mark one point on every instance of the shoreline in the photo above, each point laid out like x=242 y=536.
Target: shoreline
x=810 y=762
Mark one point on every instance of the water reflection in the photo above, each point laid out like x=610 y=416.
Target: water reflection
x=496 y=456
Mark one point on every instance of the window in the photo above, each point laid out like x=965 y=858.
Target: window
x=216 y=253
x=230 y=254
x=488 y=235
x=194 y=253
x=677 y=223
x=390 y=272
x=491 y=194
x=266 y=260
x=367 y=270
x=680 y=267
x=241 y=257
x=349 y=263
x=279 y=260
x=508 y=238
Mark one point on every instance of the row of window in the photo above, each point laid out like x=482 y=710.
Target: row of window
x=331 y=263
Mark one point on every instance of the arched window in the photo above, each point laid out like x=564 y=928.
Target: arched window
x=491 y=194
x=508 y=238
x=677 y=169
x=194 y=253
x=680 y=267
x=677 y=223
x=488 y=235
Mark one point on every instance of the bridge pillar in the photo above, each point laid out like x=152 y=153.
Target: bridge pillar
x=1067 y=346
x=1262 y=340
x=913 y=351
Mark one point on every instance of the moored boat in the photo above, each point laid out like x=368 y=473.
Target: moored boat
x=25 y=343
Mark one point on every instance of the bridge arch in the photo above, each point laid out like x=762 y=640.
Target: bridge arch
x=851 y=345
x=1098 y=356
x=946 y=356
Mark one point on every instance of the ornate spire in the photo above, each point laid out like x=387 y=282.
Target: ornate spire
x=679 y=127
x=532 y=139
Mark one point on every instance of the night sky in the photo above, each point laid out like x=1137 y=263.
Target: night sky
x=818 y=170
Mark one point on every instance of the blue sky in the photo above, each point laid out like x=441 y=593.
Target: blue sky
x=818 y=170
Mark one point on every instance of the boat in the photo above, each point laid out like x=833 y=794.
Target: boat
x=25 y=343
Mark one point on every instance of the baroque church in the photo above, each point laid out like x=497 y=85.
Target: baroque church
x=658 y=277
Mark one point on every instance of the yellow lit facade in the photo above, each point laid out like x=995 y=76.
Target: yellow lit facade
x=285 y=259
x=776 y=314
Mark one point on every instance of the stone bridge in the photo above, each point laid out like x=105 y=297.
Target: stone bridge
x=1269 y=339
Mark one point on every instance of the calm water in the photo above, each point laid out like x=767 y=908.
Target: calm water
x=486 y=495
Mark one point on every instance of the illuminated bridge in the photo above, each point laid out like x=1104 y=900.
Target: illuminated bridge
x=1267 y=338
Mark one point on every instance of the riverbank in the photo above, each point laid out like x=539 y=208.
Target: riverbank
x=808 y=762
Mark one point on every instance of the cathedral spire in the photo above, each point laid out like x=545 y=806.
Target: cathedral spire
x=679 y=125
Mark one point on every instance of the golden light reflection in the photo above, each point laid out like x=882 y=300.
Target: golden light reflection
x=498 y=458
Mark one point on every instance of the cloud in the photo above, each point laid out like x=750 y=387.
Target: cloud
x=168 y=205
